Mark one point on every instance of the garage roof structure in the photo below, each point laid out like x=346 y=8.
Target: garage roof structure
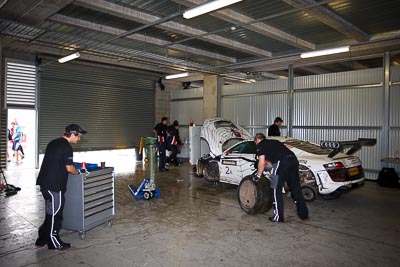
x=252 y=39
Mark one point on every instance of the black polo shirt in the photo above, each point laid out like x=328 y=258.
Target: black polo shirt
x=53 y=174
x=161 y=129
x=274 y=150
x=273 y=130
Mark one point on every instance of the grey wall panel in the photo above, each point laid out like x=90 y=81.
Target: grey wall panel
x=394 y=146
x=185 y=94
x=358 y=77
x=267 y=107
x=338 y=107
x=258 y=87
x=395 y=106
x=116 y=107
x=185 y=110
x=395 y=74
x=237 y=109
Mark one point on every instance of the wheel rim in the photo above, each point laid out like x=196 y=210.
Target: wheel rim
x=308 y=193
x=247 y=194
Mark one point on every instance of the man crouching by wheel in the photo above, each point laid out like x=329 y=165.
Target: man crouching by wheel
x=284 y=168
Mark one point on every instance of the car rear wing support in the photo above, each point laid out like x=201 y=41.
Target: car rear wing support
x=340 y=146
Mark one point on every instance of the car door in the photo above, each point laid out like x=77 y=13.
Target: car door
x=237 y=162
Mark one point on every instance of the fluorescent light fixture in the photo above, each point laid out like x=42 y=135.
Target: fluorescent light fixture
x=208 y=7
x=179 y=75
x=325 y=52
x=69 y=57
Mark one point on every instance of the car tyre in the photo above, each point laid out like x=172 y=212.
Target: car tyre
x=309 y=193
x=211 y=171
x=254 y=198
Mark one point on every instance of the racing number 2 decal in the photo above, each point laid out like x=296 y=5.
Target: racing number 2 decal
x=228 y=171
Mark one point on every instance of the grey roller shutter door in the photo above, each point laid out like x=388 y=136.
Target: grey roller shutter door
x=116 y=107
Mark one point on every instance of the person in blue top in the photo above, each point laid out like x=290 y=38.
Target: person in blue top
x=17 y=138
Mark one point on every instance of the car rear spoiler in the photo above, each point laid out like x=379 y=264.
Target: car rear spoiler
x=339 y=146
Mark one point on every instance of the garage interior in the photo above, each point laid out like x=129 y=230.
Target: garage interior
x=246 y=62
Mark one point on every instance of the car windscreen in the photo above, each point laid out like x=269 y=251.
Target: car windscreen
x=244 y=148
x=308 y=147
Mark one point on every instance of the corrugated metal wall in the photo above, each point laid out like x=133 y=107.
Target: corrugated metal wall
x=255 y=106
x=115 y=106
x=394 y=123
x=336 y=106
x=187 y=105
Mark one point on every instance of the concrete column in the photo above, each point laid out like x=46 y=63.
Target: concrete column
x=290 y=101
x=211 y=90
x=386 y=108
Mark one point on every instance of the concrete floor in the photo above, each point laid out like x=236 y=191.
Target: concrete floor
x=195 y=223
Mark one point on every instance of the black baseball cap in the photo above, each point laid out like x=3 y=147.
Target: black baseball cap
x=74 y=129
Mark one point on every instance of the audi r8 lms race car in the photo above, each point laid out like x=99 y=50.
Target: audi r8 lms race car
x=323 y=168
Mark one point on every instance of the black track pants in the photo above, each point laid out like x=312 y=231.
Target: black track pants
x=288 y=170
x=49 y=230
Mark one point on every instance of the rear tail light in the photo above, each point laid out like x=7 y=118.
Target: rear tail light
x=336 y=171
x=334 y=165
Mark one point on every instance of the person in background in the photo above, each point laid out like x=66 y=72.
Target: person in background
x=173 y=141
x=285 y=168
x=17 y=138
x=273 y=130
x=52 y=179
x=161 y=131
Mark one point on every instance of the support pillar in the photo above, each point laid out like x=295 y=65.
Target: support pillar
x=386 y=107
x=212 y=86
x=290 y=101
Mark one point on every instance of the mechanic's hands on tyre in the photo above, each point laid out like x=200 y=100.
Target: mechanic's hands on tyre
x=256 y=177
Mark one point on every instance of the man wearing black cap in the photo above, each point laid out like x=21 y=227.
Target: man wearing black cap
x=52 y=179
x=273 y=130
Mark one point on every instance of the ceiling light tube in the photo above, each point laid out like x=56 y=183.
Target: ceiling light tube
x=325 y=52
x=175 y=76
x=208 y=7
x=69 y=57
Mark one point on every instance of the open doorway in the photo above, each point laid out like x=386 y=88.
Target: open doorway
x=24 y=121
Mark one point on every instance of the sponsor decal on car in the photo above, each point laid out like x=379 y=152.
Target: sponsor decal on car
x=229 y=162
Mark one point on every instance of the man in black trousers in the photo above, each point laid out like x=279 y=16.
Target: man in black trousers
x=161 y=130
x=52 y=179
x=285 y=167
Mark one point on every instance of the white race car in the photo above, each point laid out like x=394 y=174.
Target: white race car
x=323 y=169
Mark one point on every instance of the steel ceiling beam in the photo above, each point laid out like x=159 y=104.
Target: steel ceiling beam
x=145 y=18
x=138 y=37
x=259 y=27
x=31 y=12
x=330 y=18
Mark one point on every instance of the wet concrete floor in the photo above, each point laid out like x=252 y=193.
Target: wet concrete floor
x=196 y=223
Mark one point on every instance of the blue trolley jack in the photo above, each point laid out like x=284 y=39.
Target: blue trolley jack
x=147 y=189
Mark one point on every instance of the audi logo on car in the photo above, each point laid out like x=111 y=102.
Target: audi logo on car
x=330 y=144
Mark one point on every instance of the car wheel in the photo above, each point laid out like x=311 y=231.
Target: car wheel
x=211 y=171
x=254 y=198
x=309 y=193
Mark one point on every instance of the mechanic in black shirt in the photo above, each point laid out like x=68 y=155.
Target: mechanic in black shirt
x=285 y=167
x=161 y=130
x=173 y=141
x=52 y=179
x=273 y=130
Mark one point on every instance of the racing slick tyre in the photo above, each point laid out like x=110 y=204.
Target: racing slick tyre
x=211 y=171
x=254 y=198
x=309 y=193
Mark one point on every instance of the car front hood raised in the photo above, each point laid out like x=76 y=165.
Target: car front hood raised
x=221 y=134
